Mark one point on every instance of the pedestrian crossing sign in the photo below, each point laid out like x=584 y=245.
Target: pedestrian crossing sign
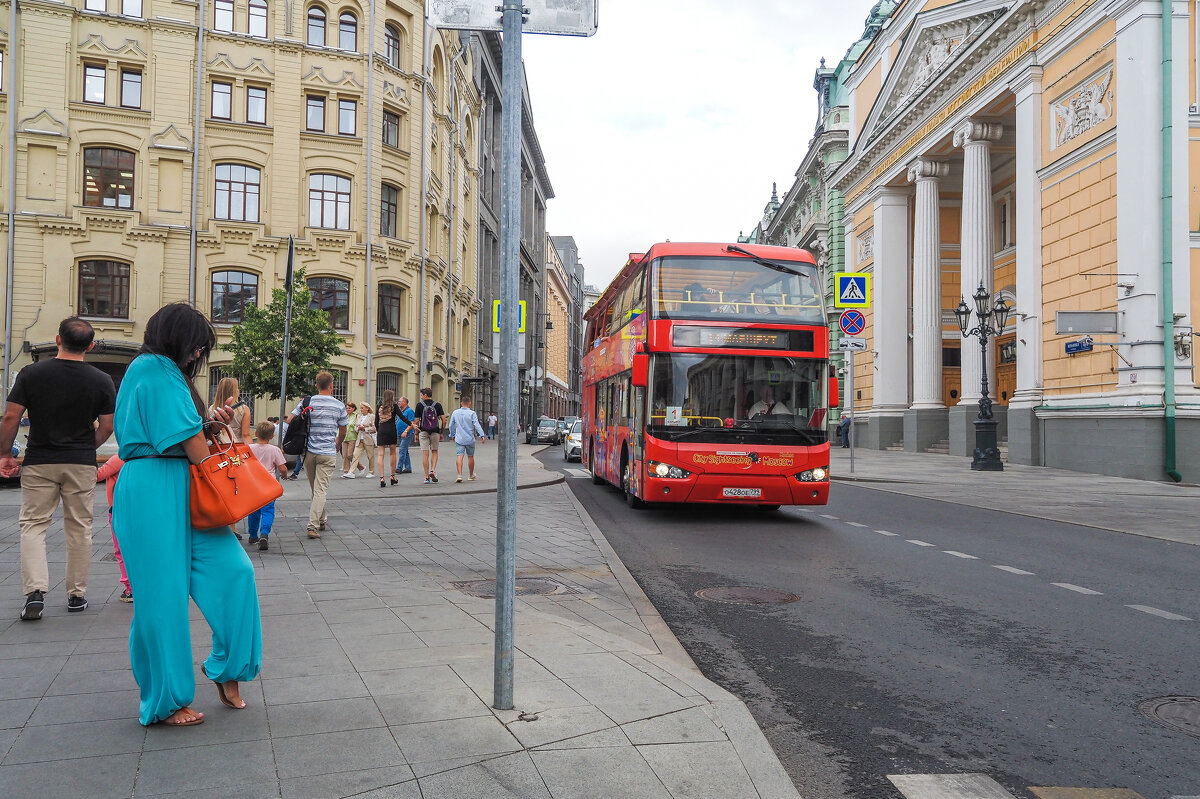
x=853 y=290
x=496 y=316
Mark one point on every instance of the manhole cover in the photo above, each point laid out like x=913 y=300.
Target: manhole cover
x=1177 y=712
x=743 y=595
x=524 y=585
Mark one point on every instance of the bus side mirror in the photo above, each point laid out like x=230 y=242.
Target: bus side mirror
x=641 y=370
x=833 y=392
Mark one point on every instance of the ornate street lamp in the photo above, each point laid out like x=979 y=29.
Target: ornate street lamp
x=987 y=455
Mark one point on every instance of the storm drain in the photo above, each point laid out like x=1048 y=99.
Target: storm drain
x=486 y=589
x=1177 y=712
x=745 y=595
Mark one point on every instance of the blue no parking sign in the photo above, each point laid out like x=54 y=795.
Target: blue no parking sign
x=852 y=322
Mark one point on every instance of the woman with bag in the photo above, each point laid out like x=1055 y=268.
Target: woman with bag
x=159 y=422
x=385 y=436
x=365 y=446
x=350 y=442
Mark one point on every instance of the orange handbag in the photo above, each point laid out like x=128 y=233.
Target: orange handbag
x=229 y=484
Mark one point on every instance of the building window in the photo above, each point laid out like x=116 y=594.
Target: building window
x=224 y=16
x=391 y=45
x=316 y=26
x=331 y=295
x=348 y=31
x=256 y=105
x=347 y=113
x=107 y=178
x=95 y=5
x=391 y=302
x=1004 y=231
x=93 y=84
x=104 y=289
x=131 y=8
x=388 y=211
x=341 y=379
x=329 y=201
x=391 y=129
x=237 y=192
x=222 y=100
x=131 y=89
x=385 y=381
x=258 y=18
x=316 y=114
x=1 y=70
x=232 y=293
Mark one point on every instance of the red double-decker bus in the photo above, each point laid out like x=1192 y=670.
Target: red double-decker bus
x=705 y=378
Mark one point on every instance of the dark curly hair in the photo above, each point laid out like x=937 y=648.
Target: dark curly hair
x=180 y=332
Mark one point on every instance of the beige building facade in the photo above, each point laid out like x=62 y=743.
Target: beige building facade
x=1019 y=145
x=557 y=390
x=347 y=125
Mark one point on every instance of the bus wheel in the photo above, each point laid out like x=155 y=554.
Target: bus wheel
x=630 y=498
x=596 y=479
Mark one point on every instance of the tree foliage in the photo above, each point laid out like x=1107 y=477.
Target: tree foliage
x=257 y=345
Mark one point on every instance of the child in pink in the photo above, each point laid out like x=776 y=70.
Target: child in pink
x=108 y=473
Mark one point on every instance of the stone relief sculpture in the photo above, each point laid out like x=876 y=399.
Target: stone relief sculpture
x=1082 y=109
x=866 y=245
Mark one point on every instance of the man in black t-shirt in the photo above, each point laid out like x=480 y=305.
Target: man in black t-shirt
x=70 y=406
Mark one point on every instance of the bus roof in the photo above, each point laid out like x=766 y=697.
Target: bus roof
x=701 y=248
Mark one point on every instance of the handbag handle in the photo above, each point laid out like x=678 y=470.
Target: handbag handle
x=216 y=439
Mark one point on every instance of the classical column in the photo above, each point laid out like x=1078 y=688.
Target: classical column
x=890 y=302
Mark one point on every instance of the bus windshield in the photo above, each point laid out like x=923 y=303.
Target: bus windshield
x=734 y=289
x=766 y=399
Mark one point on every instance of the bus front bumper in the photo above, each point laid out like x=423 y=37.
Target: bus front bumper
x=740 y=489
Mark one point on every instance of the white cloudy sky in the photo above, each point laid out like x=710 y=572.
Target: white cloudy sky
x=674 y=119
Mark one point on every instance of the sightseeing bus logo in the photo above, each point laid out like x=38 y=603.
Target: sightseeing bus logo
x=743 y=459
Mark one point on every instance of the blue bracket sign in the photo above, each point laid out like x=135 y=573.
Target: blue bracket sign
x=1083 y=345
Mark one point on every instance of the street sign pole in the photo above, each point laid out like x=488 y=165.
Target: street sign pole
x=850 y=402
x=287 y=338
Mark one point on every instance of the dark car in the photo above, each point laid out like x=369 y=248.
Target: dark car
x=547 y=432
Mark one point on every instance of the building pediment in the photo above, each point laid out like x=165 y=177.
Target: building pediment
x=128 y=49
x=43 y=123
x=169 y=138
x=317 y=76
x=224 y=64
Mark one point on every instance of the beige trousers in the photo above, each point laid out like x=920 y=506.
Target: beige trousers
x=41 y=489
x=318 y=468
x=364 y=450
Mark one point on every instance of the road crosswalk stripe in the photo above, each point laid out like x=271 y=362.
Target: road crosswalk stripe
x=855 y=524
x=1166 y=614
x=1079 y=589
x=1084 y=793
x=920 y=543
x=962 y=555
x=885 y=532
x=1012 y=570
x=948 y=786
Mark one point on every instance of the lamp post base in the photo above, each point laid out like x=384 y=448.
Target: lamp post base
x=987 y=455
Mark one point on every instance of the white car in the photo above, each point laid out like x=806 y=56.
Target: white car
x=572 y=445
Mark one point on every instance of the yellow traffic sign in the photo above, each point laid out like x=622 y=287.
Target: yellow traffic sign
x=496 y=316
x=852 y=290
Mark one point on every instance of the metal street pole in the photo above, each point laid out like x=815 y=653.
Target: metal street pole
x=287 y=338
x=510 y=269
x=850 y=403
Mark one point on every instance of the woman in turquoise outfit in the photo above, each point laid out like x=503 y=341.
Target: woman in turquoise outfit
x=158 y=422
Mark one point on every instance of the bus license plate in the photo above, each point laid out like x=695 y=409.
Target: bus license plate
x=742 y=492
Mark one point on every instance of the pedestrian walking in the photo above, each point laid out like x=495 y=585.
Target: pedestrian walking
x=326 y=430
x=159 y=424
x=464 y=423
x=70 y=405
x=387 y=416
x=405 y=431
x=430 y=420
x=108 y=474
x=351 y=440
x=492 y=425
x=364 y=447
x=844 y=430
x=259 y=523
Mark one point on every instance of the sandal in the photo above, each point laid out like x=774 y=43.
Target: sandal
x=197 y=718
x=225 y=700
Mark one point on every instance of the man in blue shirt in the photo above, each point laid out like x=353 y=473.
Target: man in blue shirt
x=464 y=424
x=326 y=430
x=404 y=435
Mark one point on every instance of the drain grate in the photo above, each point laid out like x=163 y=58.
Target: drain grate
x=1177 y=712
x=745 y=595
x=486 y=589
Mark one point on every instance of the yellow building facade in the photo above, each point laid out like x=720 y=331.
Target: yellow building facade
x=1019 y=146
x=558 y=309
x=347 y=125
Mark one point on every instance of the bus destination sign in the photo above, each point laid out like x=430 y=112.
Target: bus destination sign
x=741 y=338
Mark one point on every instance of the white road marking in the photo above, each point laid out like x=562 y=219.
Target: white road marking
x=962 y=555
x=948 y=786
x=1079 y=589
x=1012 y=570
x=578 y=473
x=855 y=524
x=1166 y=614
x=885 y=532
x=920 y=543
x=827 y=516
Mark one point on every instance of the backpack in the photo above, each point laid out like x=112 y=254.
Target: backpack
x=429 y=417
x=295 y=440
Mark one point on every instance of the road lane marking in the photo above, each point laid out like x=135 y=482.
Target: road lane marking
x=885 y=532
x=1079 y=589
x=1012 y=570
x=962 y=555
x=827 y=516
x=920 y=543
x=578 y=473
x=1166 y=614
x=1084 y=793
x=855 y=524
x=948 y=786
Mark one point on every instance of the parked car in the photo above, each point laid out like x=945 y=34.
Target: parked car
x=547 y=431
x=572 y=446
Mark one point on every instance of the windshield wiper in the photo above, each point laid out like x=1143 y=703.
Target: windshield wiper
x=763 y=261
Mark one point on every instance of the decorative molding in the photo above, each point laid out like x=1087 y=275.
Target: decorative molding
x=1082 y=108
x=43 y=123
x=865 y=245
x=169 y=138
x=346 y=79
x=972 y=131
x=926 y=169
x=222 y=63
x=127 y=49
x=396 y=92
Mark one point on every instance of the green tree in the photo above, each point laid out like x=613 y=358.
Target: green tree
x=257 y=345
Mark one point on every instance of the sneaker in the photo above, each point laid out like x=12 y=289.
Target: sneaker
x=34 y=602
x=322 y=527
x=348 y=475
x=126 y=596
x=433 y=477
x=262 y=544
x=472 y=477
x=76 y=604
x=427 y=481
x=252 y=539
x=313 y=534
x=458 y=479
x=368 y=474
x=239 y=535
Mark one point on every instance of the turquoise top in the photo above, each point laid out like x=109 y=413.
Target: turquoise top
x=155 y=412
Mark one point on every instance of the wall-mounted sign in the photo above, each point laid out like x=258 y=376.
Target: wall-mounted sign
x=1085 y=322
x=1083 y=345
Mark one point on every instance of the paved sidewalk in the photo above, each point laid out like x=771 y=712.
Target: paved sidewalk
x=377 y=675
x=1140 y=507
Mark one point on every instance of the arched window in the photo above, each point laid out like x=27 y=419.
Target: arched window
x=258 y=19
x=232 y=292
x=237 y=192
x=391 y=308
x=437 y=78
x=104 y=289
x=316 y=26
x=391 y=45
x=331 y=295
x=439 y=321
x=108 y=177
x=329 y=201
x=467 y=352
x=348 y=31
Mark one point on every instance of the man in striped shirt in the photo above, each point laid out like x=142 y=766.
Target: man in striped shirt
x=327 y=423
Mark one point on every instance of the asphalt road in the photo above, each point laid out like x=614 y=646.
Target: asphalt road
x=968 y=640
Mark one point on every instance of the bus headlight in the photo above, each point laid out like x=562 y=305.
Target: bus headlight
x=816 y=475
x=658 y=469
